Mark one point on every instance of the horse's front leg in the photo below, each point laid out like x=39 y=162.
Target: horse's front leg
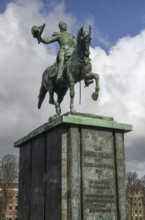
x=96 y=93
x=88 y=78
x=72 y=94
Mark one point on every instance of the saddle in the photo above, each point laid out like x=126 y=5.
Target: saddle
x=52 y=70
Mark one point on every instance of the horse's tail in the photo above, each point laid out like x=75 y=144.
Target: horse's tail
x=41 y=96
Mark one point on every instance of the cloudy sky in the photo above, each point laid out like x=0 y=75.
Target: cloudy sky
x=117 y=53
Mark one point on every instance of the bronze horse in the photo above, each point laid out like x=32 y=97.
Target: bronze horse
x=77 y=67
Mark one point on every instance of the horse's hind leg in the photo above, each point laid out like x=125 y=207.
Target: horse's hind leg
x=51 y=97
x=60 y=97
x=57 y=106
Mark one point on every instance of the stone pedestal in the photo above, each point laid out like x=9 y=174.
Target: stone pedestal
x=73 y=169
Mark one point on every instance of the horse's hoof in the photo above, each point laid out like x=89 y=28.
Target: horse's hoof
x=50 y=119
x=53 y=118
x=72 y=111
x=95 y=96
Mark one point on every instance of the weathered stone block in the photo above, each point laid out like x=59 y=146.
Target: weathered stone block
x=73 y=169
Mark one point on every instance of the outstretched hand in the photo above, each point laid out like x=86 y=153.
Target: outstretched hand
x=37 y=31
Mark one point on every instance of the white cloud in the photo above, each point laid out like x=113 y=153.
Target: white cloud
x=22 y=64
x=136 y=166
x=122 y=73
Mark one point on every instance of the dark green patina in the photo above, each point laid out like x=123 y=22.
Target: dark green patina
x=72 y=65
x=78 y=118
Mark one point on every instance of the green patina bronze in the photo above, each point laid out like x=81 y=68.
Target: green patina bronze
x=84 y=119
x=72 y=65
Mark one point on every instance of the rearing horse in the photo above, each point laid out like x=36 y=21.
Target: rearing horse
x=78 y=67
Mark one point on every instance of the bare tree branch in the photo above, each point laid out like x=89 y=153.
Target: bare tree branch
x=134 y=186
x=8 y=176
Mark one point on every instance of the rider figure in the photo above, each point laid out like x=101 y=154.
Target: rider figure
x=67 y=44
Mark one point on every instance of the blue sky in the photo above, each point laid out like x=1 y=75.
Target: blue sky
x=113 y=19
x=117 y=52
x=3 y=4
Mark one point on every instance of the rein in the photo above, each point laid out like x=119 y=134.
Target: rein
x=80 y=94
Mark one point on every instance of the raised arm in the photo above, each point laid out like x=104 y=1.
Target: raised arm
x=49 y=40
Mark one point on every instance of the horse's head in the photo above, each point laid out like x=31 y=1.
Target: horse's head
x=84 y=37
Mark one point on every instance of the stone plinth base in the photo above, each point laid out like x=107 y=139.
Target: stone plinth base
x=73 y=169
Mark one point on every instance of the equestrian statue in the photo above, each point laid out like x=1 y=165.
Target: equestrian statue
x=72 y=65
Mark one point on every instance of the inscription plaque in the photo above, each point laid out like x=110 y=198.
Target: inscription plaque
x=98 y=175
